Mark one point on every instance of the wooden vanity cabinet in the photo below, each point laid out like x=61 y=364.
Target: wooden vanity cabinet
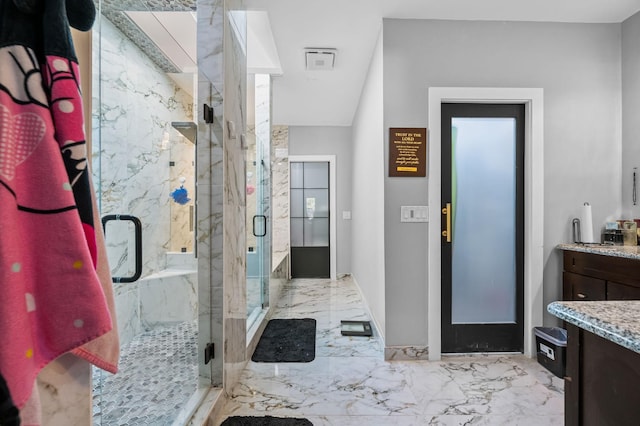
x=617 y=291
x=602 y=383
x=602 y=380
x=580 y=287
x=589 y=276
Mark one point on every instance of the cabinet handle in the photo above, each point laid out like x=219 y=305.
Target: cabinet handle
x=568 y=379
x=582 y=296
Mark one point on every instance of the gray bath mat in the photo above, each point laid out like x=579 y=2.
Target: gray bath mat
x=287 y=340
x=265 y=421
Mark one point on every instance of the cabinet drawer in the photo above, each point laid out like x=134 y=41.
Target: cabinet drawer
x=617 y=291
x=580 y=287
x=609 y=268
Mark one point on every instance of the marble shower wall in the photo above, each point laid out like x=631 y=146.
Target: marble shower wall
x=133 y=142
x=235 y=294
x=252 y=184
x=221 y=183
x=280 y=194
x=209 y=194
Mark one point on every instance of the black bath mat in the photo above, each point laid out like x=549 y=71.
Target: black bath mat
x=287 y=340
x=265 y=421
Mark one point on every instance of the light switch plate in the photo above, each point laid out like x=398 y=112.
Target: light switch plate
x=414 y=214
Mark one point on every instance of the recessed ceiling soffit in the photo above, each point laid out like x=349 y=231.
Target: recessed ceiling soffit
x=114 y=11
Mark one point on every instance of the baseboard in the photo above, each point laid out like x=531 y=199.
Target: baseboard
x=406 y=353
x=374 y=323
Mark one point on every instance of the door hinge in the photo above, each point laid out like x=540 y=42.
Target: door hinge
x=209 y=352
x=208 y=114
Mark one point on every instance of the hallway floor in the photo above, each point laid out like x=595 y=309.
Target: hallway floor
x=349 y=383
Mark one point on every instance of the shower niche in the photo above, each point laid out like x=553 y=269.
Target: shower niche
x=182 y=186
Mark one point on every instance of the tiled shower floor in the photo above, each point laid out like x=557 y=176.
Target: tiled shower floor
x=157 y=376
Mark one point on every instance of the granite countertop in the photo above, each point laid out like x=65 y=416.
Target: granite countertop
x=630 y=252
x=614 y=320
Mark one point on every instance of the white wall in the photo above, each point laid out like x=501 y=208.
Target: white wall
x=368 y=198
x=579 y=68
x=630 y=112
x=331 y=141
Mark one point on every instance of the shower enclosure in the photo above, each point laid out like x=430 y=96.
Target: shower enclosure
x=143 y=165
x=258 y=188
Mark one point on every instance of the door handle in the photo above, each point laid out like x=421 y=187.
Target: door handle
x=138 y=245
x=264 y=225
x=447 y=212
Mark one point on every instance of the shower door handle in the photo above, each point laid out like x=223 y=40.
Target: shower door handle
x=264 y=225
x=138 y=246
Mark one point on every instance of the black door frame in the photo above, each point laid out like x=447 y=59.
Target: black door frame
x=331 y=159
x=466 y=338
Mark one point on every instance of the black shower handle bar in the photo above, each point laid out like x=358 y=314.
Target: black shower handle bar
x=264 y=225
x=138 y=239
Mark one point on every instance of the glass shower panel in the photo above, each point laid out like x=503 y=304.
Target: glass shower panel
x=258 y=198
x=143 y=169
x=483 y=200
x=182 y=186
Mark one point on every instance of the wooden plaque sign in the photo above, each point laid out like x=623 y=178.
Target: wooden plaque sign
x=407 y=152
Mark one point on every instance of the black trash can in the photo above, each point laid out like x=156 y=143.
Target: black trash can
x=551 y=345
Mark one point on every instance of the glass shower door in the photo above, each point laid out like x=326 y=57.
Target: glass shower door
x=143 y=168
x=258 y=200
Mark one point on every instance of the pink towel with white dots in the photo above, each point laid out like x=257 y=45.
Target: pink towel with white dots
x=52 y=298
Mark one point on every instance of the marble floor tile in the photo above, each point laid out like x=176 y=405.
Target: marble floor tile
x=350 y=383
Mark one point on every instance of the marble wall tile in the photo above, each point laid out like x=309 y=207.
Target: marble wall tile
x=182 y=261
x=210 y=189
x=210 y=40
x=252 y=184
x=64 y=386
x=127 y=303
x=168 y=297
x=280 y=193
x=165 y=297
x=221 y=172
x=235 y=302
x=132 y=145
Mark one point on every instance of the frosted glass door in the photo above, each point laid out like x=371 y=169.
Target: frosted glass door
x=483 y=217
x=482 y=248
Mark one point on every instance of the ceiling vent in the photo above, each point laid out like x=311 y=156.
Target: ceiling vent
x=320 y=59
